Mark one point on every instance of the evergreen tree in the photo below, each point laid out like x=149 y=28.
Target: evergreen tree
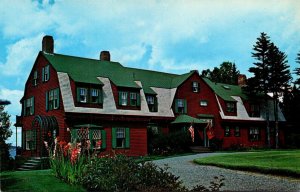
x=279 y=79
x=5 y=133
x=297 y=70
x=226 y=73
x=260 y=82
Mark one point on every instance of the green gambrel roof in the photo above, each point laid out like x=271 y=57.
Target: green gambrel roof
x=225 y=91
x=87 y=70
x=187 y=119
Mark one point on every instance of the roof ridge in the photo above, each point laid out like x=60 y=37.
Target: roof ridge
x=148 y=70
x=78 y=57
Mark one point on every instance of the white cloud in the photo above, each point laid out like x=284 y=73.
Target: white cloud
x=20 y=56
x=14 y=96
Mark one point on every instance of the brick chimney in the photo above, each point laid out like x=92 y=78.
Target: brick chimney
x=48 y=44
x=242 y=80
x=105 y=56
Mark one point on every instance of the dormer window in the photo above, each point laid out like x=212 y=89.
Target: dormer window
x=123 y=98
x=230 y=107
x=94 y=95
x=82 y=95
x=195 y=87
x=254 y=110
x=133 y=99
x=152 y=103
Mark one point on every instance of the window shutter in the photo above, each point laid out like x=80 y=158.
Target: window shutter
x=103 y=139
x=138 y=100
x=120 y=97
x=114 y=137
x=127 y=138
x=155 y=104
x=48 y=70
x=32 y=107
x=176 y=105
x=47 y=98
x=78 y=94
x=73 y=135
x=198 y=86
x=57 y=93
x=43 y=74
x=185 y=106
x=100 y=99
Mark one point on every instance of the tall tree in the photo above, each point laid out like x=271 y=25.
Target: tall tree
x=5 y=133
x=297 y=70
x=226 y=73
x=279 y=79
x=260 y=82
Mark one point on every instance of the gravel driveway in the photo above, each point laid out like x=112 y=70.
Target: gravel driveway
x=192 y=174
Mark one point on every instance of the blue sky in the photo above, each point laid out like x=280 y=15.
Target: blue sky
x=174 y=36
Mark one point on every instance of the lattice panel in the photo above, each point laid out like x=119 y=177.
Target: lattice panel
x=83 y=133
x=96 y=134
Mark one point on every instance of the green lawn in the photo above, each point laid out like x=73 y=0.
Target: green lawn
x=34 y=181
x=278 y=162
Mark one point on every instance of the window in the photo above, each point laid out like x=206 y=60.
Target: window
x=30 y=140
x=227 y=131
x=89 y=95
x=230 y=107
x=195 y=87
x=94 y=95
x=82 y=95
x=35 y=78
x=28 y=106
x=152 y=103
x=96 y=137
x=254 y=134
x=133 y=99
x=254 y=110
x=120 y=137
x=45 y=73
x=237 y=131
x=180 y=106
x=52 y=99
x=203 y=103
x=123 y=98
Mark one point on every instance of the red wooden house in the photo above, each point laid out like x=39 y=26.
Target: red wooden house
x=119 y=104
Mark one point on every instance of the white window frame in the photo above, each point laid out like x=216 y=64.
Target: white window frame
x=35 y=78
x=46 y=73
x=83 y=95
x=150 y=100
x=195 y=86
x=203 y=103
x=94 y=95
x=120 y=135
x=124 y=96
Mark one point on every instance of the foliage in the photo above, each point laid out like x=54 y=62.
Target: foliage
x=122 y=173
x=166 y=144
x=280 y=162
x=66 y=161
x=297 y=70
x=38 y=180
x=5 y=133
x=215 y=144
x=226 y=73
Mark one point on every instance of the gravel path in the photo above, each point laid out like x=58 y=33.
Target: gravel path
x=192 y=174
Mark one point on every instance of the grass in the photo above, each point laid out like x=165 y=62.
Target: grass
x=34 y=181
x=277 y=162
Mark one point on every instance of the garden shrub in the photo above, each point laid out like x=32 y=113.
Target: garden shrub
x=122 y=173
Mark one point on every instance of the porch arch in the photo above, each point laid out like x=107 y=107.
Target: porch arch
x=46 y=129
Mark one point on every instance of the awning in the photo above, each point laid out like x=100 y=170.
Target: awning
x=205 y=115
x=87 y=126
x=187 y=119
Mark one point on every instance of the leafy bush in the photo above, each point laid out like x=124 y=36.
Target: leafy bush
x=122 y=173
x=166 y=144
